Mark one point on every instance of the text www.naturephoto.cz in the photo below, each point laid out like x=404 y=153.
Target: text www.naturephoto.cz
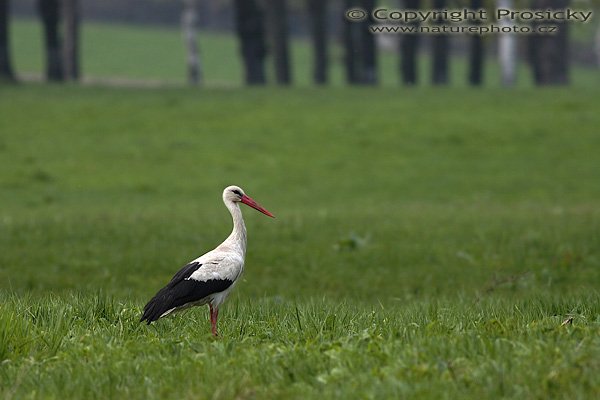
x=473 y=29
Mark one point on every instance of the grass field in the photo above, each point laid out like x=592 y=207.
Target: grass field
x=428 y=243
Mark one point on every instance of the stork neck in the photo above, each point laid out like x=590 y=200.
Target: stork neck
x=237 y=238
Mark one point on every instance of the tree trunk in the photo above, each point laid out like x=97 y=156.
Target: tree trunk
x=277 y=19
x=350 y=38
x=476 y=53
x=189 y=18
x=440 y=47
x=6 y=71
x=409 y=45
x=50 y=14
x=71 y=39
x=318 y=20
x=250 y=29
x=549 y=53
x=368 y=46
x=507 y=49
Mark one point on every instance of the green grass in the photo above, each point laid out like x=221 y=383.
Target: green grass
x=149 y=53
x=427 y=244
x=93 y=346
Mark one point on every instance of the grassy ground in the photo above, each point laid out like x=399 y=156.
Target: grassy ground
x=155 y=54
x=92 y=346
x=427 y=244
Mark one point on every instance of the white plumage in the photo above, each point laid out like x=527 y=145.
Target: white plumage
x=209 y=278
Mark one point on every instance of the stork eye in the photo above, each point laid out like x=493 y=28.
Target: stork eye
x=237 y=192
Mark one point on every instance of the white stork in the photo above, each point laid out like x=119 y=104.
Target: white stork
x=209 y=278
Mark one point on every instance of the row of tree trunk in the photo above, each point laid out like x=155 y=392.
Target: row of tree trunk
x=262 y=26
x=548 y=54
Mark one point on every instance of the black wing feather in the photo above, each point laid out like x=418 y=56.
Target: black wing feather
x=181 y=291
x=184 y=273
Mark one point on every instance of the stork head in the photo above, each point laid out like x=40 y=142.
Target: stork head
x=236 y=194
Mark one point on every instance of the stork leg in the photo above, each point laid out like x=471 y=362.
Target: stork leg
x=214 y=314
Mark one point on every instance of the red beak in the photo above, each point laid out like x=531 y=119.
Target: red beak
x=249 y=202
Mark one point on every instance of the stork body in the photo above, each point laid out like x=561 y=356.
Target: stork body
x=209 y=278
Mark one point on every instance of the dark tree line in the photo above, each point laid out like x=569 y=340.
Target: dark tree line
x=262 y=27
x=440 y=48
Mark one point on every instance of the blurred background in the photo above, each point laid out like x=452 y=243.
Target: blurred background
x=226 y=43
x=439 y=163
